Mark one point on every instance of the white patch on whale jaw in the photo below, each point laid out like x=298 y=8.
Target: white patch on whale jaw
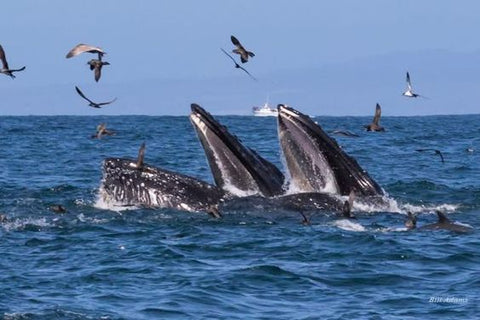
x=308 y=169
x=124 y=185
x=235 y=178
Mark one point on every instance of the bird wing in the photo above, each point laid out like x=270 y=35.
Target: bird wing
x=3 y=58
x=440 y=154
x=235 y=41
x=105 y=103
x=409 y=83
x=82 y=95
x=247 y=72
x=378 y=114
x=16 y=70
x=229 y=55
x=80 y=48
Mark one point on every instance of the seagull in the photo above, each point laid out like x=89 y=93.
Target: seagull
x=244 y=54
x=375 y=126
x=409 y=92
x=5 y=69
x=102 y=130
x=237 y=65
x=95 y=64
x=434 y=150
x=91 y=103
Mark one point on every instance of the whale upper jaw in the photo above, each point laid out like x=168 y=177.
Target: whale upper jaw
x=235 y=168
x=148 y=186
x=315 y=161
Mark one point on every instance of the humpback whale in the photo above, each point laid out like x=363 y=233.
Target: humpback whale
x=316 y=162
x=243 y=177
x=235 y=168
x=132 y=182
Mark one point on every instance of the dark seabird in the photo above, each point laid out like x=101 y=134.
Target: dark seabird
x=95 y=64
x=409 y=92
x=5 y=69
x=91 y=103
x=411 y=222
x=214 y=211
x=58 y=208
x=244 y=54
x=237 y=65
x=102 y=130
x=348 y=205
x=344 y=133
x=375 y=125
x=434 y=150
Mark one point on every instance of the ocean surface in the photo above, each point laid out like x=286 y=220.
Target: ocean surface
x=98 y=262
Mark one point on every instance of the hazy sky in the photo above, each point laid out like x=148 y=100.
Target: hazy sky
x=166 y=54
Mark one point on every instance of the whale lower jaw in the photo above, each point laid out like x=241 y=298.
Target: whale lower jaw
x=128 y=185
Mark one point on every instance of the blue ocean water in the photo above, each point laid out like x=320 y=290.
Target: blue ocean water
x=96 y=262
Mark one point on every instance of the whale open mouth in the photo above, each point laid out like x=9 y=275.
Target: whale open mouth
x=235 y=168
x=315 y=161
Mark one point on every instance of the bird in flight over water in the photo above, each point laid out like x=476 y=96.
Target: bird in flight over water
x=91 y=103
x=409 y=91
x=375 y=125
x=237 y=65
x=244 y=54
x=95 y=64
x=434 y=150
x=5 y=69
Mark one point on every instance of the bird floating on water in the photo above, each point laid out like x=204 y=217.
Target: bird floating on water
x=95 y=64
x=244 y=54
x=5 y=69
x=237 y=65
x=409 y=91
x=375 y=125
x=91 y=103
x=102 y=130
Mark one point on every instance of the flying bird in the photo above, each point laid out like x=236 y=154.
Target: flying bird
x=5 y=69
x=409 y=91
x=91 y=103
x=81 y=48
x=102 y=130
x=95 y=64
x=244 y=54
x=434 y=150
x=237 y=65
x=375 y=125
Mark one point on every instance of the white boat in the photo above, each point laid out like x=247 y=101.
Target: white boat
x=265 y=111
